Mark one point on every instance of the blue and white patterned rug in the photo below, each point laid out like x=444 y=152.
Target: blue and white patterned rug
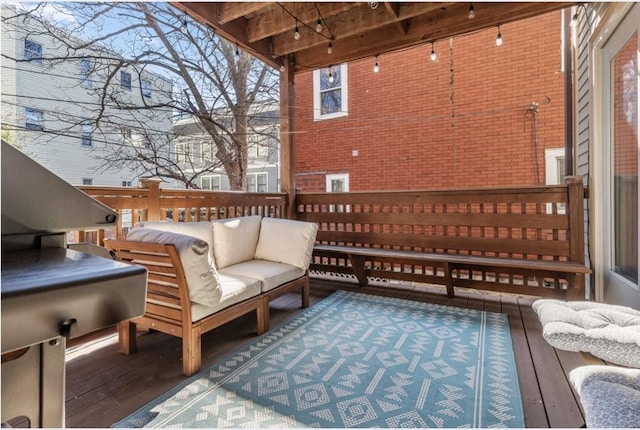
x=356 y=360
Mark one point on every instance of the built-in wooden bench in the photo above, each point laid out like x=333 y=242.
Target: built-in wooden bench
x=527 y=240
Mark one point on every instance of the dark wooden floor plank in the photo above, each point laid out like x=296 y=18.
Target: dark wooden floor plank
x=104 y=386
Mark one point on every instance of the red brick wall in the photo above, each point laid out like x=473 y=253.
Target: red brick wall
x=410 y=135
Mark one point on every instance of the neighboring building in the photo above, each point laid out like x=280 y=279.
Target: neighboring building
x=49 y=108
x=195 y=151
x=480 y=115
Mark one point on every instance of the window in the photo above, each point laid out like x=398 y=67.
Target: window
x=338 y=183
x=87 y=131
x=207 y=151
x=34 y=119
x=125 y=80
x=87 y=181
x=257 y=182
x=85 y=73
x=33 y=51
x=183 y=152
x=127 y=135
x=554 y=173
x=254 y=147
x=330 y=92
x=210 y=182
x=126 y=183
x=145 y=86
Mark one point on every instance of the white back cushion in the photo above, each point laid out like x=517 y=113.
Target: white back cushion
x=286 y=241
x=235 y=240
x=194 y=252
x=202 y=230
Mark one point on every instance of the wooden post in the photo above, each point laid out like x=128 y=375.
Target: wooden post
x=575 y=209
x=287 y=141
x=153 y=198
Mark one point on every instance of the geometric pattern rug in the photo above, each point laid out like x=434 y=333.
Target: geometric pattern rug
x=357 y=360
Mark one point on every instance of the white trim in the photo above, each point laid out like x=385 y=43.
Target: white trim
x=344 y=177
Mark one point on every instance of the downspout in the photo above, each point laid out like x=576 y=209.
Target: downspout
x=568 y=94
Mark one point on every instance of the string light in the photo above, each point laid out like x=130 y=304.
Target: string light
x=296 y=32
x=330 y=75
x=319 y=26
x=499 y=38
x=434 y=56
x=330 y=48
x=282 y=65
x=237 y=51
x=472 y=12
x=376 y=67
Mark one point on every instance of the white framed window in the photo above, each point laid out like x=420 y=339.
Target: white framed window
x=87 y=131
x=125 y=80
x=554 y=173
x=330 y=92
x=257 y=182
x=255 y=149
x=126 y=183
x=33 y=51
x=34 y=119
x=211 y=182
x=337 y=183
x=183 y=152
x=87 y=181
x=86 y=65
x=145 y=86
x=207 y=151
x=127 y=135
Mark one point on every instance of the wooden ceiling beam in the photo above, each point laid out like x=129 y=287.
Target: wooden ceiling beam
x=276 y=20
x=393 y=11
x=233 y=10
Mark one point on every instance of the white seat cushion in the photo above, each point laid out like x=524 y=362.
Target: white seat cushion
x=610 y=395
x=194 y=256
x=203 y=230
x=235 y=289
x=235 y=239
x=607 y=331
x=286 y=241
x=269 y=273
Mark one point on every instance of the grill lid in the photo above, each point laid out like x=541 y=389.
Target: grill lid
x=36 y=201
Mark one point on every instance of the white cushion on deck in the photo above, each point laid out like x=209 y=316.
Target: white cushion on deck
x=235 y=289
x=610 y=395
x=235 y=240
x=286 y=241
x=269 y=273
x=194 y=255
x=609 y=332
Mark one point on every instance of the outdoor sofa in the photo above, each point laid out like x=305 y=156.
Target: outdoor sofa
x=204 y=274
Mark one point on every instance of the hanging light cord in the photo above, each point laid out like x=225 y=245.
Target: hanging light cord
x=331 y=37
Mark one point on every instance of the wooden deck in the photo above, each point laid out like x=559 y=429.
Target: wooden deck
x=104 y=386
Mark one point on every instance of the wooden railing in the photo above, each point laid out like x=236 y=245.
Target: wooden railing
x=152 y=203
x=543 y=223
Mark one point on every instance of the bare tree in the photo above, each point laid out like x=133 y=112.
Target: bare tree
x=197 y=75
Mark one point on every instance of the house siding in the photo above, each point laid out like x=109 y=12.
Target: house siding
x=55 y=89
x=462 y=121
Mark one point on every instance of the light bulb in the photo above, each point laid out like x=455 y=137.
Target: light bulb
x=499 y=38
x=330 y=48
x=282 y=66
x=296 y=33
x=330 y=77
x=472 y=12
x=434 y=56
x=376 y=67
x=319 y=26
x=237 y=51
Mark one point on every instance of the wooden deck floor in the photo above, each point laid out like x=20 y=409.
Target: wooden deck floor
x=104 y=386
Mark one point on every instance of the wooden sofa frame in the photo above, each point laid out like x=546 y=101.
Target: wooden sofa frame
x=523 y=240
x=168 y=308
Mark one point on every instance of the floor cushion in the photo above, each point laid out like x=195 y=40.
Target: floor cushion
x=610 y=395
x=609 y=332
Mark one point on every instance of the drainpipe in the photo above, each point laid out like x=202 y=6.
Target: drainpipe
x=568 y=94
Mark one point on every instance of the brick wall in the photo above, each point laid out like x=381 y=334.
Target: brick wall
x=418 y=125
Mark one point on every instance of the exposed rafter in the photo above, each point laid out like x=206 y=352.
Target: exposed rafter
x=357 y=30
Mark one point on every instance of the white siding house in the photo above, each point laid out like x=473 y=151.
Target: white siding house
x=50 y=107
